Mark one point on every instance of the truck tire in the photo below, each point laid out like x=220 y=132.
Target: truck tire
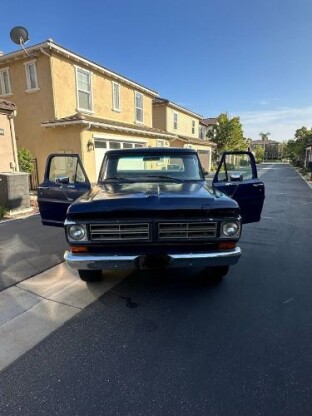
x=90 y=275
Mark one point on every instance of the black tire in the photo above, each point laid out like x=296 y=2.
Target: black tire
x=90 y=275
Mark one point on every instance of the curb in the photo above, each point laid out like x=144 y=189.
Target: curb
x=307 y=181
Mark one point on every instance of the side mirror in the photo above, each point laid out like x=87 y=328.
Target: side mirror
x=62 y=180
x=236 y=177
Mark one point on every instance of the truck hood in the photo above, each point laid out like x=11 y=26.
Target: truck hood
x=151 y=196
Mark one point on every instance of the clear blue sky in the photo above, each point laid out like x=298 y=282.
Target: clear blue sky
x=249 y=58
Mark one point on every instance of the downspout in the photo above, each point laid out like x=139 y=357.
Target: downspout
x=88 y=126
x=13 y=140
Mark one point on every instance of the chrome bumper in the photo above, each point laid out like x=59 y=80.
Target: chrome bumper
x=135 y=262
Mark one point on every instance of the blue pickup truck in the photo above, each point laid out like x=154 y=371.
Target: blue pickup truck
x=151 y=208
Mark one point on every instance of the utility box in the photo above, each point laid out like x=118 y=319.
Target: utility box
x=14 y=191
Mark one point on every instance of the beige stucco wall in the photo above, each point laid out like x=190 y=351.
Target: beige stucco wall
x=64 y=82
x=184 y=123
x=6 y=148
x=159 y=117
x=33 y=107
x=163 y=119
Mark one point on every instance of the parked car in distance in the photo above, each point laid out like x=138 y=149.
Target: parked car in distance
x=151 y=208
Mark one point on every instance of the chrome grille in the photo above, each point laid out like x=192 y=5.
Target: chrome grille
x=189 y=230
x=119 y=232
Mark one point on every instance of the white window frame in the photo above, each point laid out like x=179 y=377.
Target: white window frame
x=28 y=79
x=160 y=143
x=85 y=110
x=116 y=96
x=5 y=93
x=175 y=121
x=193 y=126
x=137 y=108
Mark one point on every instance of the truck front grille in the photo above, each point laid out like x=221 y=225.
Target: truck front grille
x=187 y=230
x=119 y=232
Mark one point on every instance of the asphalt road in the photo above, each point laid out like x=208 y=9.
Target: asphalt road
x=27 y=248
x=171 y=344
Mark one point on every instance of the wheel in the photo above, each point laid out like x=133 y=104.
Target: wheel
x=90 y=275
x=216 y=274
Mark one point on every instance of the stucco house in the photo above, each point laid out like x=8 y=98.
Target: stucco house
x=184 y=124
x=206 y=126
x=8 y=151
x=70 y=104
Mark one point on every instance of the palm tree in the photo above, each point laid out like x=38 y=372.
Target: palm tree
x=264 y=136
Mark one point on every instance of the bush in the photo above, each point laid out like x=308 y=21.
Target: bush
x=3 y=211
x=25 y=161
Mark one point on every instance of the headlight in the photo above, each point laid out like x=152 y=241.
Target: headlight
x=76 y=232
x=230 y=229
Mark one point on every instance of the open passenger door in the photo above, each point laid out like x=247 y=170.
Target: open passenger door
x=237 y=177
x=65 y=180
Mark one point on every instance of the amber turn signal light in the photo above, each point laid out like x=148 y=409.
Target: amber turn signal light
x=79 y=249
x=226 y=245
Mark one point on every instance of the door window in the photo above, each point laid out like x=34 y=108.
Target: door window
x=66 y=167
x=235 y=167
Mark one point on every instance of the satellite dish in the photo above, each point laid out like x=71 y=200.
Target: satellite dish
x=19 y=35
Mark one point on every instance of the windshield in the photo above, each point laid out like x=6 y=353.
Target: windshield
x=142 y=167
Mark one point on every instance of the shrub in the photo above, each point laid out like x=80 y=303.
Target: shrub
x=25 y=161
x=3 y=211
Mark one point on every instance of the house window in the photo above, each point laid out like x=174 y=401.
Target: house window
x=31 y=76
x=5 y=81
x=138 y=107
x=175 y=121
x=193 y=126
x=116 y=96
x=84 y=95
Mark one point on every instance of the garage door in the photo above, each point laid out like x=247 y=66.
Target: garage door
x=204 y=157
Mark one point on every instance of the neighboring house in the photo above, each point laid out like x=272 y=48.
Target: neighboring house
x=308 y=156
x=8 y=152
x=206 y=126
x=271 y=148
x=184 y=125
x=70 y=104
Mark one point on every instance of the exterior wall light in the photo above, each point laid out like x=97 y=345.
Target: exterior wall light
x=90 y=145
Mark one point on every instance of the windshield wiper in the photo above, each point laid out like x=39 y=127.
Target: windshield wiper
x=170 y=178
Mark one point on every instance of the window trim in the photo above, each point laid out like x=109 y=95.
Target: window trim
x=116 y=103
x=84 y=110
x=28 y=79
x=2 y=84
x=193 y=126
x=175 y=121
x=136 y=94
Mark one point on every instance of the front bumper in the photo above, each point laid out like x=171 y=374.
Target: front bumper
x=137 y=262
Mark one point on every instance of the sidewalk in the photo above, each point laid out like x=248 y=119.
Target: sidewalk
x=306 y=177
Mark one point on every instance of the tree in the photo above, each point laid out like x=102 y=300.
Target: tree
x=25 y=161
x=295 y=148
x=228 y=134
x=259 y=154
